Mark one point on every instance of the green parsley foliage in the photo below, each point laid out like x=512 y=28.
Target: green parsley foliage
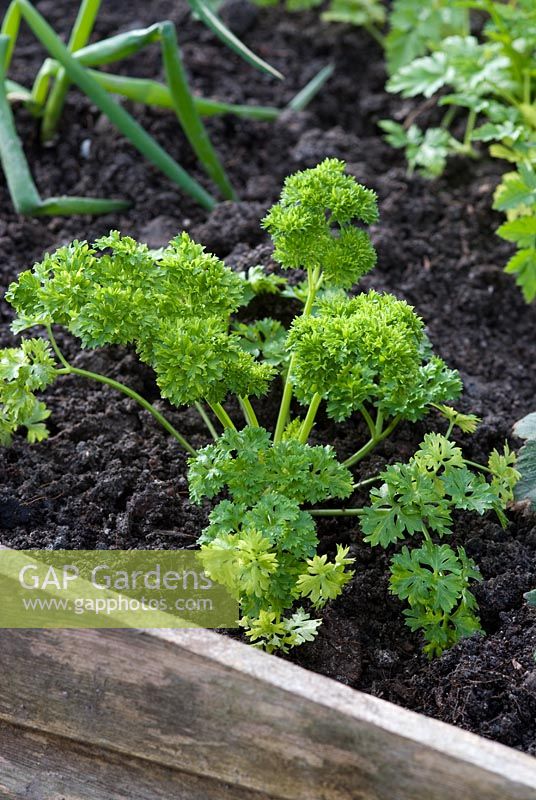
x=260 y=544
x=435 y=580
x=490 y=80
x=362 y=13
x=24 y=371
x=363 y=357
x=415 y=27
x=116 y=292
x=266 y=338
x=516 y=196
x=313 y=224
x=369 y=14
x=418 y=499
x=367 y=350
x=426 y=151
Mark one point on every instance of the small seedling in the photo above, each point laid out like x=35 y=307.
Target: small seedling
x=78 y=63
x=364 y=359
x=368 y=14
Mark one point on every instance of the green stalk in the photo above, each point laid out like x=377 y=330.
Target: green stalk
x=21 y=186
x=153 y=93
x=448 y=117
x=310 y=90
x=373 y=441
x=126 y=124
x=249 y=412
x=48 y=70
x=206 y=419
x=469 y=128
x=361 y=453
x=212 y=21
x=82 y=30
x=223 y=416
x=313 y=279
x=478 y=466
x=368 y=419
x=118 y=47
x=526 y=86
x=426 y=535
x=378 y=427
x=66 y=206
x=19 y=179
x=187 y=114
x=366 y=482
x=309 y=421
x=15 y=91
x=10 y=27
x=373 y=31
x=68 y=369
x=336 y=512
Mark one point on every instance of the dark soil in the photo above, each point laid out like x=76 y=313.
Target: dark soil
x=108 y=477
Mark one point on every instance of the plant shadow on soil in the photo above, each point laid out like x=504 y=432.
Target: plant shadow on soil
x=108 y=477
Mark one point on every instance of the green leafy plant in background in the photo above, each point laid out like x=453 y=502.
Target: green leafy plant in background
x=364 y=358
x=368 y=14
x=416 y=27
x=526 y=429
x=530 y=597
x=492 y=81
x=78 y=63
x=525 y=489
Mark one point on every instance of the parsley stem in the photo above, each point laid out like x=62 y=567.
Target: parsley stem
x=366 y=482
x=469 y=128
x=378 y=428
x=56 y=349
x=373 y=441
x=373 y=31
x=314 y=279
x=223 y=416
x=336 y=512
x=120 y=387
x=448 y=117
x=368 y=419
x=361 y=453
x=249 y=412
x=206 y=419
x=309 y=421
x=478 y=466
x=526 y=86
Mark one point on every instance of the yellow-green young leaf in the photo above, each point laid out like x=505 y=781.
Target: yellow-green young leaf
x=325 y=579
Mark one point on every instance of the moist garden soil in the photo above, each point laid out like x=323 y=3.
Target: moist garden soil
x=108 y=477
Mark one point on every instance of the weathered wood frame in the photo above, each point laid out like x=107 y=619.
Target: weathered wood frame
x=147 y=715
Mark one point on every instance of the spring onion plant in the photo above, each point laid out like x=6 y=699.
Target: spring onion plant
x=364 y=360
x=78 y=63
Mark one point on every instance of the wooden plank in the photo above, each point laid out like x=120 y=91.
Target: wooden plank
x=36 y=766
x=202 y=703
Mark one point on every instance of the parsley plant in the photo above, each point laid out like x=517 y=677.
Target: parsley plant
x=490 y=81
x=356 y=357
